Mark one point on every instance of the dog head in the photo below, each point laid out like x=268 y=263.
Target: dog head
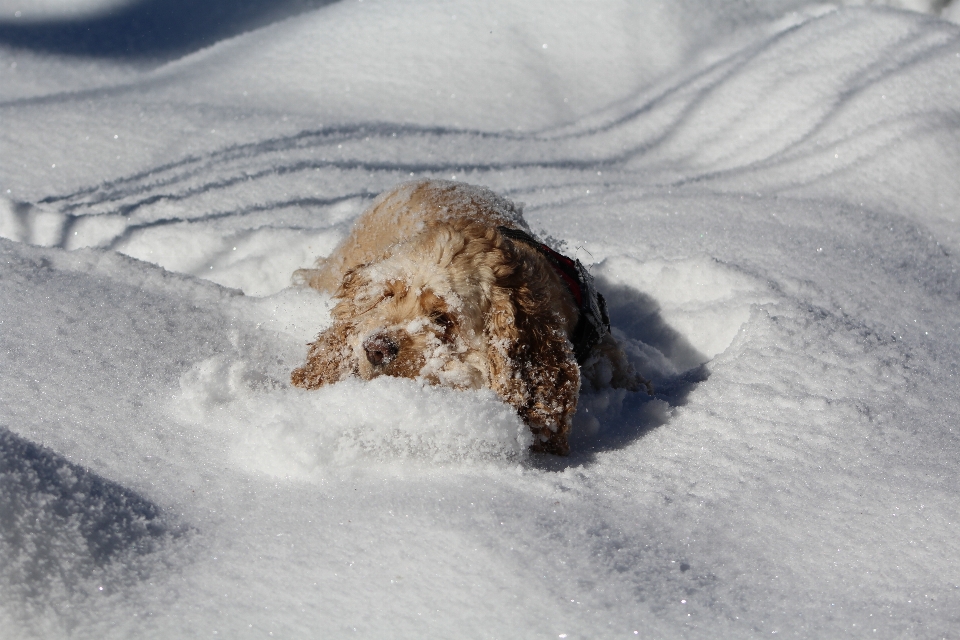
x=418 y=313
x=462 y=306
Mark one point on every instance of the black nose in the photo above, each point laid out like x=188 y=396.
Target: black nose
x=380 y=349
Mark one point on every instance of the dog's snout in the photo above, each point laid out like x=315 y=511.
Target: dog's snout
x=380 y=349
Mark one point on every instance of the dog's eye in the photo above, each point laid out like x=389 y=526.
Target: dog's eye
x=442 y=320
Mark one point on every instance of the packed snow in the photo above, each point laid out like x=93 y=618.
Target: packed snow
x=767 y=195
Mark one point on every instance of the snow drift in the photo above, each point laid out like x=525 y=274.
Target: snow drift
x=767 y=194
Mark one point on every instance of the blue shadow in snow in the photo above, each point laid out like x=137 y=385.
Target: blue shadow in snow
x=149 y=30
x=637 y=315
x=60 y=522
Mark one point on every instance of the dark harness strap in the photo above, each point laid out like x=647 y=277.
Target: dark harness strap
x=593 y=323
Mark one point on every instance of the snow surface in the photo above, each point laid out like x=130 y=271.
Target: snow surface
x=46 y=9
x=766 y=192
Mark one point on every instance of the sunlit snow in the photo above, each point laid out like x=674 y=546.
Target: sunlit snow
x=766 y=192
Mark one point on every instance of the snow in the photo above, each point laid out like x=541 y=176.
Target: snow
x=45 y=9
x=765 y=192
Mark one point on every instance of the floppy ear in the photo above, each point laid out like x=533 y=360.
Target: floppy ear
x=531 y=361
x=330 y=358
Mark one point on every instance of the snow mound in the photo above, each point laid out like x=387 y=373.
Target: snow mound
x=701 y=298
x=293 y=433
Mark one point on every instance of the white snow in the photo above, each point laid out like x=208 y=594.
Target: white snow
x=766 y=192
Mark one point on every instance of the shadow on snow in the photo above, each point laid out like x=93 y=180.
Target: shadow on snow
x=60 y=523
x=634 y=414
x=150 y=29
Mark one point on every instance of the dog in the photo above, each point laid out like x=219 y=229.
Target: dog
x=444 y=282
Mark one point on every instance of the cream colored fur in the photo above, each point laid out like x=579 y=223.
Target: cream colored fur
x=427 y=287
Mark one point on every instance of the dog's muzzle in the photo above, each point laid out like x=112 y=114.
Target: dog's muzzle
x=380 y=349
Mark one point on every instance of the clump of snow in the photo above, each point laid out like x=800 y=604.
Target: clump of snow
x=292 y=433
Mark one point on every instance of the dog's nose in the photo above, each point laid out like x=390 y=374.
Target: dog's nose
x=380 y=349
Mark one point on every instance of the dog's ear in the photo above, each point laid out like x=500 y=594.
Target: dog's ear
x=531 y=361
x=328 y=360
